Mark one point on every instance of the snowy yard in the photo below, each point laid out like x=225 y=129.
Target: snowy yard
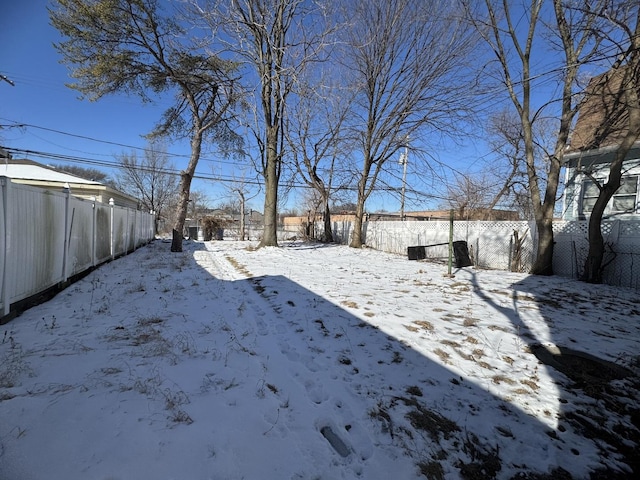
x=318 y=362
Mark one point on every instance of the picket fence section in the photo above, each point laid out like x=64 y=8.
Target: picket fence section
x=508 y=245
x=48 y=237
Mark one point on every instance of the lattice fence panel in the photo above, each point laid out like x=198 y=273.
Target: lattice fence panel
x=493 y=244
x=622 y=244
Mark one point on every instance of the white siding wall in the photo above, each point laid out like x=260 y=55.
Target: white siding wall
x=573 y=192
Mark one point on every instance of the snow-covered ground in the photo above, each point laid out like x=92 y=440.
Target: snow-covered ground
x=316 y=362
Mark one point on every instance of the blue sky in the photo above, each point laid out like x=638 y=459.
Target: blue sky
x=117 y=123
x=41 y=99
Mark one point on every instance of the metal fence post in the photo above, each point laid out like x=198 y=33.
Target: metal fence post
x=450 y=242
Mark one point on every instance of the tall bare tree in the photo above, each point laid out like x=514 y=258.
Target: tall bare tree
x=616 y=95
x=507 y=166
x=135 y=46
x=274 y=39
x=473 y=195
x=241 y=191
x=513 y=34
x=151 y=179
x=406 y=60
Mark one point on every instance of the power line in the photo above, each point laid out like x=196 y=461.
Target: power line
x=200 y=176
x=108 y=142
x=8 y=80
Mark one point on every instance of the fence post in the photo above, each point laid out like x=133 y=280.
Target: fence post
x=5 y=294
x=111 y=238
x=127 y=234
x=510 y=264
x=450 y=242
x=67 y=194
x=94 y=233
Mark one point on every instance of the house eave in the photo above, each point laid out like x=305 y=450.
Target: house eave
x=595 y=152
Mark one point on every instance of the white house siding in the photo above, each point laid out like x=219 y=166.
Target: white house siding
x=599 y=167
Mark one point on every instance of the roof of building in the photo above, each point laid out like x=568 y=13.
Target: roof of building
x=602 y=119
x=30 y=170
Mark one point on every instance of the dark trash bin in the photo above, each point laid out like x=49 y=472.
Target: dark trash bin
x=461 y=254
x=416 y=253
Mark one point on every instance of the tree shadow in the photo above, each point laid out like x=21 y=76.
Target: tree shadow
x=338 y=393
x=598 y=397
x=407 y=405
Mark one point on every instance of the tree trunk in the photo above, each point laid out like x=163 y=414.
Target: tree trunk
x=593 y=263
x=185 y=187
x=183 y=204
x=356 y=235
x=327 y=236
x=270 y=231
x=543 y=264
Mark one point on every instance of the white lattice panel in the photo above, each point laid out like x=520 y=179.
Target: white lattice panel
x=491 y=244
x=571 y=228
x=630 y=229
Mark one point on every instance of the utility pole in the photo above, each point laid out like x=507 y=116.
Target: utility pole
x=404 y=159
x=242 y=214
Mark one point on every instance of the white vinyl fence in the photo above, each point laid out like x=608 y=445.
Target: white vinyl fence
x=508 y=245
x=48 y=237
x=491 y=244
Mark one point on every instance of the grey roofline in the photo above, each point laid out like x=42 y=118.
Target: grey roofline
x=594 y=152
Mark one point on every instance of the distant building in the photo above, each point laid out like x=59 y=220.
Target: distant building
x=31 y=173
x=293 y=224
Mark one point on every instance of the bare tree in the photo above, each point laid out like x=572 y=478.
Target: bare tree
x=406 y=61
x=512 y=34
x=317 y=144
x=506 y=140
x=151 y=179
x=507 y=167
x=275 y=39
x=133 y=46
x=616 y=96
x=471 y=195
x=240 y=190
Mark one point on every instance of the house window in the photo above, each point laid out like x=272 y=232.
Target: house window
x=624 y=200
x=590 y=192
